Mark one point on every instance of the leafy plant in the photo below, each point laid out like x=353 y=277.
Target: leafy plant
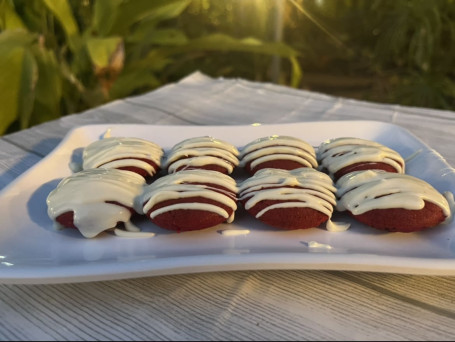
x=60 y=57
x=400 y=51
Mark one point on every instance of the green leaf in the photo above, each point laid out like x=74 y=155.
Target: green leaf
x=131 y=12
x=171 y=10
x=155 y=61
x=17 y=37
x=164 y=37
x=133 y=80
x=117 y=16
x=48 y=94
x=26 y=98
x=104 y=13
x=8 y=17
x=139 y=75
x=62 y=11
x=101 y=50
x=222 y=42
x=19 y=73
x=296 y=75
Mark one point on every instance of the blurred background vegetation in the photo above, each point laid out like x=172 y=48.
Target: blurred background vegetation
x=59 y=57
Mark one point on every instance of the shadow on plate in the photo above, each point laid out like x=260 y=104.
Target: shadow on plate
x=37 y=207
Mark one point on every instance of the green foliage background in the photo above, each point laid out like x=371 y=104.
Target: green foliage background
x=59 y=57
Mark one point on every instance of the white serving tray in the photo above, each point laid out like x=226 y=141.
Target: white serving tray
x=32 y=252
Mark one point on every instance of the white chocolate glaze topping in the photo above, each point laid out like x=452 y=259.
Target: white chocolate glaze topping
x=338 y=153
x=116 y=152
x=200 y=151
x=278 y=147
x=85 y=193
x=182 y=185
x=362 y=191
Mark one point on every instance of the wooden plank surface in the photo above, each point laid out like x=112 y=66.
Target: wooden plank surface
x=254 y=305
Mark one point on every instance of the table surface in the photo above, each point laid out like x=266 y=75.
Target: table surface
x=231 y=305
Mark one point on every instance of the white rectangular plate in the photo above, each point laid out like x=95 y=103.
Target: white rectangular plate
x=31 y=251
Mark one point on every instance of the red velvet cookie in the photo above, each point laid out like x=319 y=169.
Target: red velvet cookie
x=289 y=199
x=391 y=201
x=191 y=200
x=95 y=200
x=131 y=154
x=340 y=156
x=205 y=153
x=67 y=219
x=277 y=152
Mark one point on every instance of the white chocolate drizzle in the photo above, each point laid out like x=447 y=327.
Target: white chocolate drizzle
x=337 y=226
x=278 y=147
x=133 y=234
x=362 y=191
x=182 y=184
x=234 y=232
x=335 y=154
x=200 y=151
x=117 y=152
x=302 y=187
x=315 y=244
x=87 y=192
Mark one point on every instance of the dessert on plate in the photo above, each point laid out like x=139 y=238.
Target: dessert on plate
x=345 y=154
x=124 y=153
x=277 y=152
x=204 y=152
x=190 y=200
x=289 y=199
x=95 y=200
x=392 y=201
